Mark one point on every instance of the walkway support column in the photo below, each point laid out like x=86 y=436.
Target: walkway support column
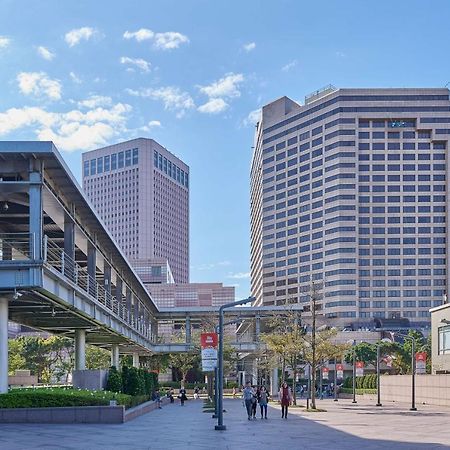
x=69 y=246
x=115 y=356
x=92 y=267
x=3 y=345
x=35 y=218
x=257 y=328
x=188 y=330
x=274 y=383
x=136 y=360
x=80 y=349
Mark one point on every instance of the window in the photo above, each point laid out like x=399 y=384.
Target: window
x=107 y=163
x=128 y=158
x=93 y=166
x=86 y=168
x=120 y=160
x=114 y=161
x=100 y=165
x=444 y=340
x=135 y=155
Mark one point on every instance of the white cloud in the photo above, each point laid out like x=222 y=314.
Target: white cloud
x=4 y=42
x=141 y=35
x=289 y=65
x=253 y=117
x=73 y=37
x=227 y=86
x=172 y=97
x=214 y=106
x=94 y=101
x=210 y=266
x=70 y=131
x=137 y=62
x=39 y=84
x=340 y=54
x=75 y=78
x=45 y=53
x=249 y=47
x=163 y=41
x=154 y=124
x=239 y=275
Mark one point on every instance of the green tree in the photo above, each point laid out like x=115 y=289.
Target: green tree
x=184 y=362
x=97 y=357
x=16 y=360
x=364 y=352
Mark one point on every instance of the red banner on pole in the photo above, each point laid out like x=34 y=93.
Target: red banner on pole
x=209 y=340
x=340 y=371
x=325 y=371
x=359 y=368
x=421 y=363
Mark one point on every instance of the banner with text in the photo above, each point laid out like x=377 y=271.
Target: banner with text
x=421 y=363
x=340 y=371
x=359 y=368
x=208 y=344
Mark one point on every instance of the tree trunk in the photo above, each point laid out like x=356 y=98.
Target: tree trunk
x=313 y=387
x=294 y=390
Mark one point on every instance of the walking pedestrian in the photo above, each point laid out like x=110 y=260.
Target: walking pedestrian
x=157 y=398
x=182 y=396
x=263 y=400
x=196 y=391
x=285 y=397
x=234 y=392
x=248 y=399
x=255 y=401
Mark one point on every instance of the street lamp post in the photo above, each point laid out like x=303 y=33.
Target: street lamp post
x=335 y=380
x=354 y=377
x=378 y=376
x=220 y=426
x=413 y=375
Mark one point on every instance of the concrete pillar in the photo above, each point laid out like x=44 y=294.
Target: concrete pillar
x=274 y=383
x=3 y=345
x=69 y=246
x=115 y=356
x=136 y=360
x=257 y=328
x=80 y=349
x=128 y=302
x=188 y=330
x=254 y=372
x=35 y=218
x=92 y=267
x=154 y=330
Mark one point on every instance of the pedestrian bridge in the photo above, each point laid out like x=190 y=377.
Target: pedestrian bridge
x=62 y=272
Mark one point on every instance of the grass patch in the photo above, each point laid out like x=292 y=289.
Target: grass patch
x=314 y=410
x=358 y=391
x=61 y=397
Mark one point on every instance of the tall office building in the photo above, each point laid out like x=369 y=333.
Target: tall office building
x=141 y=191
x=350 y=190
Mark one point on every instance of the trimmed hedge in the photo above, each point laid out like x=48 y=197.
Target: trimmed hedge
x=365 y=382
x=61 y=397
x=358 y=391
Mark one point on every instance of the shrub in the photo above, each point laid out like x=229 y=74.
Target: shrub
x=134 y=383
x=114 y=383
x=45 y=398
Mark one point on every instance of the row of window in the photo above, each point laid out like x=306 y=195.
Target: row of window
x=170 y=169
x=396 y=304
x=111 y=162
x=353 y=110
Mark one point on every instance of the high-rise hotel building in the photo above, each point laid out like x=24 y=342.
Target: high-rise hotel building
x=350 y=192
x=141 y=192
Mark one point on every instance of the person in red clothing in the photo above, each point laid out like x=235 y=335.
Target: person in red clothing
x=285 y=397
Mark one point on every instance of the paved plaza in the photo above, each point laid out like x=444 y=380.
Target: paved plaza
x=343 y=426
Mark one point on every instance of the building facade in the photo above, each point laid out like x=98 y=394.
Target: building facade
x=349 y=194
x=141 y=191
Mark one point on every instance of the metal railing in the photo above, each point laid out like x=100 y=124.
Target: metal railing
x=16 y=246
x=55 y=257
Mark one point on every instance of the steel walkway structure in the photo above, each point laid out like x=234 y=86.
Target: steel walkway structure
x=61 y=271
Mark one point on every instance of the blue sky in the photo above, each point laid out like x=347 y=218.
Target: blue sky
x=191 y=75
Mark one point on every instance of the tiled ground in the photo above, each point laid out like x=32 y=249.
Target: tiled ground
x=343 y=426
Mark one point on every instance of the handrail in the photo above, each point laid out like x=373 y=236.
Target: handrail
x=67 y=266
x=16 y=246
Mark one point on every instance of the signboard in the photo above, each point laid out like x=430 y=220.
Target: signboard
x=359 y=368
x=339 y=371
x=208 y=365
x=208 y=343
x=325 y=371
x=421 y=363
